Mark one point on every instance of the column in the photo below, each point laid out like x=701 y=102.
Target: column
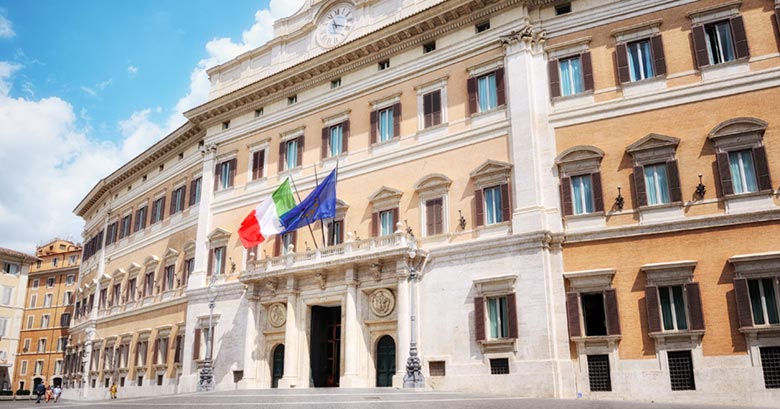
x=404 y=324
x=291 y=342
x=352 y=329
x=253 y=344
x=198 y=276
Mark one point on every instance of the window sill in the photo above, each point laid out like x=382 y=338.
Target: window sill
x=749 y=202
x=692 y=336
x=661 y=213
x=569 y=101
x=644 y=86
x=492 y=115
x=725 y=69
x=765 y=330
x=434 y=131
x=596 y=340
x=223 y=192
x=585 y=221
x=498 y=345
x=381 y=148
x=494 y=230
x=294 y=172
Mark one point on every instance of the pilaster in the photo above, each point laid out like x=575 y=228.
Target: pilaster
x=352 y=330
x=198 y=276
x=404 y=323
x=292 y=330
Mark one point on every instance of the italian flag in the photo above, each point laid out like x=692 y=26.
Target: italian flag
x=265 y=220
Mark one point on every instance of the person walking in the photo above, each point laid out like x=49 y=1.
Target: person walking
x=57 y=392
x=40 y=389
x=113 y=390
x=49 y=394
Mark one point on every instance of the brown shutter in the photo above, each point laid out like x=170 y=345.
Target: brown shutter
x=740 y=38
x=282 y=150
x=436 y=110
x=506 y=208
x=395 y=219
x=611 y=307
x=325 y=141
x=598 y=195
x=196 y=344
x=479 y=318
x=427 y=110
x=165 y=351
x=375 y=224
x=183 y=196
x=639 y=186
x=511 y=306
x=500 y=87
x=345 y=136
x=429 y=215
x=573 y=314
x=210 y=267
x=479 y=207
x=231 y=179
x=700 y=47
x=278 y=246
x=762 y=168
x=566 y=199
x=777 y=18
x=742 y=297
x=653 y=313
x=374 y=124
x=300 y=150
x=172 y=206
x=438 y=217
x=587 y=71
x=162 y=208
x=258 y=159
x=694 y=306
x=217 y=175
x=724 y=172
x=192 y=191
x=471 y=87
x=675 y=192
x=397 y=120
x=224 y=260
x=554 y=78
x=621 y=54
x=137 y=351
x=156 y=350
x=659 y=57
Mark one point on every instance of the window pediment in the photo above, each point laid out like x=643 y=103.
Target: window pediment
x=491 y=172
x=653 y=148
x=579 y=159
x=151 y=262
x=590 y=280
x=738 y=132
x=189 y=248
x=218 y=237
x=496 y=285
x=341 y=209
x=170 y=254
x=674 y=273
x=752 y=265
x=436 y=183
x=119 y=272
x=385 y=197
x=133 y=268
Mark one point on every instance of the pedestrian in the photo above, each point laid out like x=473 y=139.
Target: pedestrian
x=57 y=392
x=49 y=393
x=113 y=390
x=40 y=389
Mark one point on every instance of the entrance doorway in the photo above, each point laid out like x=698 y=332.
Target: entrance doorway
x=385 y=361
x=325 y=348
x=277 y=369
x=57 y=382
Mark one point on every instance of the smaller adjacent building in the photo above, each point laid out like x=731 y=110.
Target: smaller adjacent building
x=13 y=280
x=48 y=308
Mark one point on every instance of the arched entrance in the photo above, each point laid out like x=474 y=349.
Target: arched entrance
x=277 y=366
x=57 y=382
x=385 y=361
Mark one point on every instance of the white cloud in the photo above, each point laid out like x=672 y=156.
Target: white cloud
x=7 y=69
x=6 y=28
x=93 y=90
x=132 y=70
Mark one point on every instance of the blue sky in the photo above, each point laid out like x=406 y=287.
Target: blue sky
x=87 y=85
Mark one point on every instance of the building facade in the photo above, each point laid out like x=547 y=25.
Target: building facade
x=48 y=310
x=13 y=282
x=458 y=132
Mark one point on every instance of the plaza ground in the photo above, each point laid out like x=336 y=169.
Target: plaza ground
x=353 y=398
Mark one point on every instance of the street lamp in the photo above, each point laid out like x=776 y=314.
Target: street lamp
x=206 y=373
x=413 y=377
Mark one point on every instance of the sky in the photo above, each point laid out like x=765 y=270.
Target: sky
x=86 y=85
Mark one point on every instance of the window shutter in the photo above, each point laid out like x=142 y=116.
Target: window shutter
x=224 y=260
x=566 y=199
x=500 y=87
x=694 y=306
x=282 y=150
x=325 y=141
x=479 y=318
x=429 y=217
x=613 y=317
x=554 y=78
x=436 y=109
x=278 y=246
x=137 y=351
x=300 y=150
x=700 y=47
x=479 y=206
x=653 y=314
x=598 y=195
x=587 y=71
x=162 y=208
x=621 y=54
x=395 y=219
x=438 y=216
x=762 y=168
x=217 y=176
x=659 y=57
x=183 y=196
x=428 y=110
x=172 y=206
x=724 y=172
x=639 y=186
x=232 y=175
x=258 y=159
x=675 y=192
x=573 y=314
x=511 y=306
x=196 y=344
x=373 y=119
x=397 y=120
x=740 y=38
x=165 y=351
x=375 y=224
x=506 y=208
x=210 y=267
x=742 y=297
x=192 y=191
x=777 y=18
x=156 y=350
x=345 y=136
x=471 y=87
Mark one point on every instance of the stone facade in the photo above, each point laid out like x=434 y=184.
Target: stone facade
x=13 y=283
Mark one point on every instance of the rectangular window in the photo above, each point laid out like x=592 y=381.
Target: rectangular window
x=335 y=140
x=291 y=100
x=111 y=234
x=65 y=319
x=437 y=368
x=45 y=321
x=434 y=216
x=743 y=171
x=27 y=342
x=38 y=368
x=50 y=282
x=657 y=184
x=140 y=353
x=383 y=65
x=259 y=112
x=47 y=300
x=335 y=83
x=673 y=308
x=35 y=284
x=33 y=301
x=195 y=187
x=720 y=45
x=594 y=314
x=428 y=47
x=70 y=279
x=11 y=268
x=42 y=345
x=287 y=239
x=225 y=125
x=335 y=232
x=54 y=262
x=499 y=366
x=149 y=284
x=487 y=96
x=5 y=298
x=225 y=172
x=432 y=109
x=116 y=294
x=640 y=60
x=571 y=76
x=599 y=374
x=582 y=194
x=480 y=27
x=58 y=367
x=178 y=355
x=125 y=226
x=386 y=222
x=30 y=320
x=493 y=212
x=385 y=128
x=189 y=267
x=170 y=277
x=67 y=298
x=62 y=342
x=73 y=259
x=177 y=200
x=681 y=370
x=131 y=283
x=3 y=326
x=497 y=316
x=23 y=369
x=140 y=218
x=770 y=363
x=258 y=164
x=764 y=301
x=218 y=261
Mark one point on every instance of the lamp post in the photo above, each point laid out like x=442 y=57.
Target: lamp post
x=206 y=373
x=413 y=377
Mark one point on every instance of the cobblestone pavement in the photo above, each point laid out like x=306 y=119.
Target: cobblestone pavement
x=352 y=399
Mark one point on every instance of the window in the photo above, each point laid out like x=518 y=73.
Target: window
x=258 y=164
x=291 y=100
x=159 y=380
x=582 y=194
x=178 y=355
x=3 y=326
x=62 y=342
x=437 y=368
x=383 y=65
x=45 y=321
x=290 y=154
x=149 y=284
x=67 y=298
x=432 y=114
x=591 y=306
x=335 y=232
x=37 y=264
x=434 y=216
x=116 y=294
x=387 y=222
x=334 y=139
x=38 y=368
x=23 y=369
x=42 y=345
x=598 y=373
x=486 y=91
x=189 y=267
x=564 y=8
x=26 y=347
x=70 y=279
x=11 y=268
x=225 y=125
x=140 y=218
x=571 y=75
x=35 y=284
x=50 y=282
x=681 y=370
x=161 y=351
x=640 y=60
x=497 y=317
x=140 y=353
x=5 y=298
x=47 y=300
x=673 y=308
x=103 y=298
x=770 y=363
x=386 y=123
x=259 y=112
x=111 y=234
x=177 y=200
x=225 y=172
x=743 y=174
x=124 y=229
x=499 y=366
x=335 y=83
x=33 y=301
x=30 y=320
x=74 y=258
x=195 y=187
x=131 y=284
x=217 y=264
x=58 y=367
x=65 y=319
x=428 y=47
x=170 y=277
x=480 y=27
x=656 y=184
x=719 y=42
x=54 y=262
x=287 y=240
x=493 y=201
x=656 y=174
x=593 y=314
x=764 y=301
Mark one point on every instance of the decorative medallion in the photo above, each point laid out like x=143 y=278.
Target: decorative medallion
x=277 y=315
x=382 y=302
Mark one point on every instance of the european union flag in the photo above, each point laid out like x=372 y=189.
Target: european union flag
x=320 y=204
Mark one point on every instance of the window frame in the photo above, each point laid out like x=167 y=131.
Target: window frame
x=440 y=86
x=702 y=19
x=500 y=287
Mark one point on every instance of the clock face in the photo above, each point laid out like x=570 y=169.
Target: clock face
x=334 y=27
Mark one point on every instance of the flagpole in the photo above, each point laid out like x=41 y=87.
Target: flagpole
x=308 y=224
x=322 y=226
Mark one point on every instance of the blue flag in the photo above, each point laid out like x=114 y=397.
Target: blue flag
x=320 y=204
